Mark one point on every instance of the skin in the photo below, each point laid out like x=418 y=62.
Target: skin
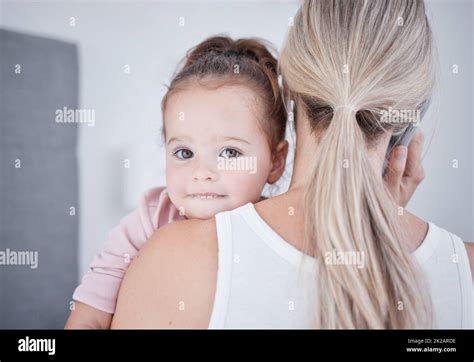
x=180 y=260
x=218 y=126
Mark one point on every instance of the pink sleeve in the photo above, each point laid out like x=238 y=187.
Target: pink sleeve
x=100 y=285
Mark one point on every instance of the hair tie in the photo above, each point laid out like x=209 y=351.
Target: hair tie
x=345 y=106
x=280 y=81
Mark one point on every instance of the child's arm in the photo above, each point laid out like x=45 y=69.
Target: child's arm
x=87 y=317
x=95 y=298
x=100 y=285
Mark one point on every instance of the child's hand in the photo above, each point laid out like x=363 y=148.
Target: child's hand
x=87 y=317
x=405 y=169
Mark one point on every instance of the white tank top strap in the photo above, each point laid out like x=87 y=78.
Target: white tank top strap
x=224 y=273
x=249 y=264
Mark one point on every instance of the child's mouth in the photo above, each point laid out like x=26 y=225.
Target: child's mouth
x=206 y=196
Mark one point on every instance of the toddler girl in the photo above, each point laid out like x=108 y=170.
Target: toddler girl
x=224 y=129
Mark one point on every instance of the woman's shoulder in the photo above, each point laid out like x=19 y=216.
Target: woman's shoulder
x=189 y=244
x=183 y=243
x=179 y=261
x=186 y=235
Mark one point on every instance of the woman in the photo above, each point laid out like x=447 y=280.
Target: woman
x=335 y=251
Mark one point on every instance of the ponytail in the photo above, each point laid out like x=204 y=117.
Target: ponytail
x=349 y=212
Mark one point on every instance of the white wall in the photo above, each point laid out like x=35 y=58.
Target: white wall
x=147 y=36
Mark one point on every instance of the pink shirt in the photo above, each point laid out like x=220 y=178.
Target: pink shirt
x=100 y=286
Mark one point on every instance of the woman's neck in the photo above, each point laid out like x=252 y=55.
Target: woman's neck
x=306 y=149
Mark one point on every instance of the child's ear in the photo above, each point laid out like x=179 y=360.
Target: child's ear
x=278 y=162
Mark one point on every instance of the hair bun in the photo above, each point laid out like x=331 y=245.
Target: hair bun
x=211 y=46
x=253 y=49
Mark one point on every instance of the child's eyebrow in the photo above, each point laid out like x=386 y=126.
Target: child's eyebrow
x=225 y=138
x=234 y=139
x=177 y=139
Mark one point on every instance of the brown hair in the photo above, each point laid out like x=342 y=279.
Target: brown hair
x=220 y=61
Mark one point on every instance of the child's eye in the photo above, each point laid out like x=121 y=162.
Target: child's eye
x=183 y=154
x=230 y=153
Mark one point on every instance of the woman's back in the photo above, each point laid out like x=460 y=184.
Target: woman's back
x=260 y=283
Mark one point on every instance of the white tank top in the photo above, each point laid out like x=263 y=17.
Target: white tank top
x=260 y=283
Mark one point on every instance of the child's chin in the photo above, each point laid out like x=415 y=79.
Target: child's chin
x=204 y=211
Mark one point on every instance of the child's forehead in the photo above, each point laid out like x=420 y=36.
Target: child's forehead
x=212 y=113
x=225 y=102
x=211 y=127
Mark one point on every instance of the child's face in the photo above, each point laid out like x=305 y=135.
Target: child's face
x=217 y=156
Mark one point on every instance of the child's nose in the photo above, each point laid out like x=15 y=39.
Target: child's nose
x=204 y=172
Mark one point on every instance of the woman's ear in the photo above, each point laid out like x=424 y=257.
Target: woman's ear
x=278 y=162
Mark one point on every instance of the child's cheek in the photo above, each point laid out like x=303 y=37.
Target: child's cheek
x=245 y=186
x=176 y=178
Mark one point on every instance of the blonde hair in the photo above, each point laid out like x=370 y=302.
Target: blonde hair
x=344 y=62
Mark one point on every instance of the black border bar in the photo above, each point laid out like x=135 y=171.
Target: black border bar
x=240 y=344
